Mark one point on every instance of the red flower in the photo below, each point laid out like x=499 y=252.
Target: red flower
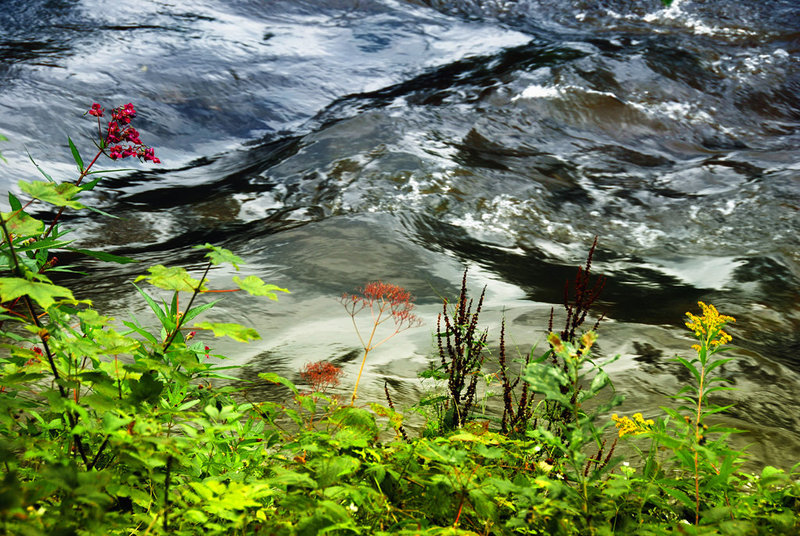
x=119 y=131
x=385 y=295
x=321 y=375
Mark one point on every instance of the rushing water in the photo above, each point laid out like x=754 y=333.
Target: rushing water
x=332 y=142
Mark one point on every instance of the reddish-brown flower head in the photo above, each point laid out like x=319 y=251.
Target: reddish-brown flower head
x=385 y=297
x=321 y=375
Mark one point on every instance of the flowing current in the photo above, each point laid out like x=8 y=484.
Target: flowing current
x=334 y=142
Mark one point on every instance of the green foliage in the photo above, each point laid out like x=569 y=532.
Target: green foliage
x=116 y=428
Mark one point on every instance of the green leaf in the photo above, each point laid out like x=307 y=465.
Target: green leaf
x=716 y=364
x=218 y=255
x=194 y=311
x=280 y=380
x=690 y=367
x=90 y=185
x=236 y=332
x=14 y=202
x=47 y=243
x=681 y=496
x=103 y=213
x=254 y=286
x=21 y=224
x=160 y=314
x=43 y=172
x=173 y=278
x=103 y=256
x=600 y=380
x=146 y=389
x=60 y=195
x=44 y=294
x=75 y=154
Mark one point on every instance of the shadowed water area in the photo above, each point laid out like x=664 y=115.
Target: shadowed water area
x=334 y=142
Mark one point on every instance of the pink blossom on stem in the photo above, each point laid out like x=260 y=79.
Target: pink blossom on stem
x=119 y=131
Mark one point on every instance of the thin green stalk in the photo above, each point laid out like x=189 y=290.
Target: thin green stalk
x=367 y=348
x=77 y=183
x=179 y=323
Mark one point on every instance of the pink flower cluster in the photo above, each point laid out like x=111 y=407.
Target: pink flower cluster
x=119 y=131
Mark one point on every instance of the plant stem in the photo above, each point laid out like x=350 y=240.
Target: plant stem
x=179 y=323
x=77 y=183
x=367 y=348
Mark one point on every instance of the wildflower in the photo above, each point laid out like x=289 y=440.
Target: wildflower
x=119 y=131
x=555 y=342
x=385 y=301
x=207 y=349
x=637 y=425
x=132 y=136
x=396 y=298
x=115 y=151
x=321 y=375
x=708 y=327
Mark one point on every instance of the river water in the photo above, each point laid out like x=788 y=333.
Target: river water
x=334 y=142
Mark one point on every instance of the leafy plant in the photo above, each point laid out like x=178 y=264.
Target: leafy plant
x=120 y=428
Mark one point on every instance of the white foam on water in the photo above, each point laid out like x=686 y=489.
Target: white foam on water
x=536 y=91
x=700 y=272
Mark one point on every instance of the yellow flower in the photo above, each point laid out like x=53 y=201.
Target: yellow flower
x=708 y=327
x=637 y=425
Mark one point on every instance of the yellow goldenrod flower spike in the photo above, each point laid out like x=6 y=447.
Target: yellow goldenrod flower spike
x=637 y=425
x=708 y=327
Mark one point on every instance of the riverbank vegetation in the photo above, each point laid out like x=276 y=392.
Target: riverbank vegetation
x=129 y=427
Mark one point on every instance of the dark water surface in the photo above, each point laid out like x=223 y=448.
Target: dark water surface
x=333 y=142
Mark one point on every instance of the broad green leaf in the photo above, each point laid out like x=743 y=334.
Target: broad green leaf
x=114 y=343
x=172 y=278
x=274 y=378
x=236 y=332
x=255 y=286
x=60 y=195
x=21 y=224
x=103 y=256
x=44 y=294
x=13 y=202
x=218 y=255
x=75 y=154
x=600 y=380
x=146 y=389
x=112 y=422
